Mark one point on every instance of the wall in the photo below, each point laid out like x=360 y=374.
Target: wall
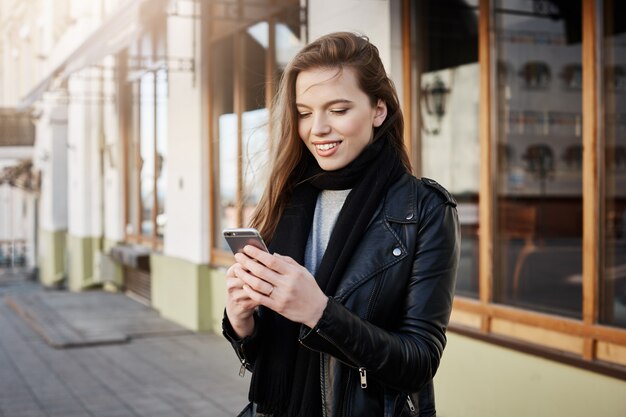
x=113 y=203
x=480 y=379
x=51 y=158
x=370 y=17
x=83 y=158
x=186 y=232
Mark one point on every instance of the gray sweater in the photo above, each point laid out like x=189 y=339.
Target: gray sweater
x=327 y=208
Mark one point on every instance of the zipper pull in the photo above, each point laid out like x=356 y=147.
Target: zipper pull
x=363 y=374
x=410 y=403
x=242 y=370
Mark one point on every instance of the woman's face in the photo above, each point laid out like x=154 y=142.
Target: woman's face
x=336 y=119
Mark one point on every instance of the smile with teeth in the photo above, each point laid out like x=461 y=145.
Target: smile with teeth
x=326 y=146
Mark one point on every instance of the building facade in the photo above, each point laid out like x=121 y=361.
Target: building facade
x=151 y=136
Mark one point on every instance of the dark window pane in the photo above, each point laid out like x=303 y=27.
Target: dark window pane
x=538 y=248
x=613 y=288
x=446 y=59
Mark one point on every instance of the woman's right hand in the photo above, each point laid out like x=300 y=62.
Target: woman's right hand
x=239 y=306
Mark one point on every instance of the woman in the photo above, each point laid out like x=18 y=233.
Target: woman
x=347 y=316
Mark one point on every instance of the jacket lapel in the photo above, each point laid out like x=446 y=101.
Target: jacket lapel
x=381 y=246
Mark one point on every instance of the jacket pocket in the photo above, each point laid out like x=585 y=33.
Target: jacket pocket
x=400 y=404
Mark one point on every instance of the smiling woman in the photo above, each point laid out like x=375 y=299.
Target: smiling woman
x=356 y=290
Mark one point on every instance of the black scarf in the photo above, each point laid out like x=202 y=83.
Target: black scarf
x=286 y=378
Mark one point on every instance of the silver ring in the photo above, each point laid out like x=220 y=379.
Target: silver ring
x=271 y=290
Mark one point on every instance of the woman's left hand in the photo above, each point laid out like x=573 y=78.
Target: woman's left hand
x=294 y=294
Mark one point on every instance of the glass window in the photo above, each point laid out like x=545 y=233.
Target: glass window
x=225 y=134
x=538 y=229
x=146 y=151
x=146 y=156
x=161 y=149
x=244 y=75
x=446 y=61
x=255 y=145
x=132 y=147
x=613 y=287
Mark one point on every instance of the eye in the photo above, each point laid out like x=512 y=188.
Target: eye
x=303 y=114
x=338 y=111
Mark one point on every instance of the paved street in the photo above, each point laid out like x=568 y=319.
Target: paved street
x=165 y=371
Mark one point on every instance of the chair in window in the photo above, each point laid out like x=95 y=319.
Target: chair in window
x=518 y=222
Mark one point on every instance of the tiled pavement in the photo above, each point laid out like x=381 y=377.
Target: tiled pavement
x=156 y=374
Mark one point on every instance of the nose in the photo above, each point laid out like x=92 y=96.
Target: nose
x=320 y=125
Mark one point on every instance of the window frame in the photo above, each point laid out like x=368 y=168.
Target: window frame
x=584 y=343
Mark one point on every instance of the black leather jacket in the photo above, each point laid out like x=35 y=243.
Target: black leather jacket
x=382 y=333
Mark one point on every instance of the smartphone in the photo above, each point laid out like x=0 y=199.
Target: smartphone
x=237 y=238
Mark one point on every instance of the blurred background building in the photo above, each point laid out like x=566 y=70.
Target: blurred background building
x=133 y=131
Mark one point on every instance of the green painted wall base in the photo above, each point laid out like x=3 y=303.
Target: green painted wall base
x=480 y=379
x=114 y=280
x=51 y=254
x=83 y=269
x=181 y=292
x=80 y=260
x=218 y=298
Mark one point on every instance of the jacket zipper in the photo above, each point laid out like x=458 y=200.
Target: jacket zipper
x=242 y=369
x=362 y=370
x=363 y=374
x=409 y=401
x=242 y=358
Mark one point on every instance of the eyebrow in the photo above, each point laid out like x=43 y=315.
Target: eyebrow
x=329 y=103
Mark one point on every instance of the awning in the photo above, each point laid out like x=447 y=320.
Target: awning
x=117 y=32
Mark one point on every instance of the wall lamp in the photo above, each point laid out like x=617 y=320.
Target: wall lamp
x=435 y=96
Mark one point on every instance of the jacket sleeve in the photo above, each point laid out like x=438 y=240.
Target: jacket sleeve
x=407 y=355
x=247 y=347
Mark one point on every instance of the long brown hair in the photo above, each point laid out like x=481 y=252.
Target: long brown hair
x=336 y=50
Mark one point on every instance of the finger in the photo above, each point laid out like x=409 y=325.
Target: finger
x=274 y=263
x=234 y=283
x=258 y=297
x=230 y=271
x=258 y=269
x=258 y=284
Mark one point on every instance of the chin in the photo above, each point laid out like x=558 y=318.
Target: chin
x=330 y=165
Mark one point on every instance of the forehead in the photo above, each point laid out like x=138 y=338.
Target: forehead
x=327 y=83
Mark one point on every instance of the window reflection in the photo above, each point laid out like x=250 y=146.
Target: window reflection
x=613 y=288
x=132 y=157
x=161 y=149
x=243 y=83
x=446 y=57
x=225 y=137
x=538 y=257
x=146 y=152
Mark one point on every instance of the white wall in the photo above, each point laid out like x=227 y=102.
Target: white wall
x=113 y=162
x=51 y=158
x=369 y=17
x=84 y=180
x=186 y=231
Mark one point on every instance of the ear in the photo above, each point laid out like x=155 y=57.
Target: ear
x=380 y=113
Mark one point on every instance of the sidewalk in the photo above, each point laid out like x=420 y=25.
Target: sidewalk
x=97 y=354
